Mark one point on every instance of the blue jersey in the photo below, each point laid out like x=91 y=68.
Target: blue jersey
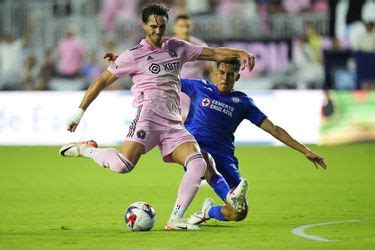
x=214 y=117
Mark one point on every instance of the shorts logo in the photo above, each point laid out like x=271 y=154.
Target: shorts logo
x=154 y=68
x=141 y=134
x=172 y=53
x=236 y=99
x=206 y=102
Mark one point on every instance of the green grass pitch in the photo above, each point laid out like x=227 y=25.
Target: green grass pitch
x=50 y=202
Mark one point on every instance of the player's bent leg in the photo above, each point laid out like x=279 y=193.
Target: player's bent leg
x=211 y=166
x=183 y=151
x=110 y=158
x=132 y=151
x=214 y=178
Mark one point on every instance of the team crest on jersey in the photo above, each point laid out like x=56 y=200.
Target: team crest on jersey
x=236 y=99
x=172 y=53
x=206 y=102
x=141 y=134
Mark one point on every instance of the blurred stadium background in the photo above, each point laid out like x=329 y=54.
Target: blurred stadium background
x=315 y=58
x=314 y=76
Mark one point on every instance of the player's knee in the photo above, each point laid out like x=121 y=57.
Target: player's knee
x=196 y=163
x=236 y=216
x=209 y=161
x=203 y=166
x=233 y=215
x=241 y=216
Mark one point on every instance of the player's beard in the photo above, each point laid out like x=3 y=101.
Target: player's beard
x=155 y=39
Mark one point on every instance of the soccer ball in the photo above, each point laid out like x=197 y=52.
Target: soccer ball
x=140 y=216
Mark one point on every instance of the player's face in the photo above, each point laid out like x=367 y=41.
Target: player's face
x=226 y=76
x=155 y=29
x=182 y=29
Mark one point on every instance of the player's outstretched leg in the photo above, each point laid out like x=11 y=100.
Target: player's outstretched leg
x=221 y=213
x=107 y=157
x=236 y=197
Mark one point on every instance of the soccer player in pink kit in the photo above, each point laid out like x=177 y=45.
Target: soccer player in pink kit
x=154 y=65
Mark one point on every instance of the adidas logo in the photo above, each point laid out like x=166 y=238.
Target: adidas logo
x=150 y=58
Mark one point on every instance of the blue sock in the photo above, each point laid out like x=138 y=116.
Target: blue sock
x=220 y=186
x=215 y=212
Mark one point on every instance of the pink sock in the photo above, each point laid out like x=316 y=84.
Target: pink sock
x=195 y=168
x=109 y=158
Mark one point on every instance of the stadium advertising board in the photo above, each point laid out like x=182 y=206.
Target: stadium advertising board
x=38 y=118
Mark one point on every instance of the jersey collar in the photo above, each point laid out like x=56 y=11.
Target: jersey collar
x=219 y=93
x=148 y=46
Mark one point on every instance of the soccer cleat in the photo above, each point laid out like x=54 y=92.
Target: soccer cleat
x=237 y=197
x=202 y=215
x=75 y=149
x=180 y=224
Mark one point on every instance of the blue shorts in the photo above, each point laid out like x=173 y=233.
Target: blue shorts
x=226 y=165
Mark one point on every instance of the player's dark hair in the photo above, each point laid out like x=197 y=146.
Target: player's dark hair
x=154 y=9
x=233 y=61
x=182 y=17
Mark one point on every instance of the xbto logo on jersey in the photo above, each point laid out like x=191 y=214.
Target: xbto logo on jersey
x=171 y=66
x=154 y=68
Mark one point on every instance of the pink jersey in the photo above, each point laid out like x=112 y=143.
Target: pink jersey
x=155 y=73
x=195 y=69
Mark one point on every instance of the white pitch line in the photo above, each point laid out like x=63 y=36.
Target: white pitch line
x=299 y=231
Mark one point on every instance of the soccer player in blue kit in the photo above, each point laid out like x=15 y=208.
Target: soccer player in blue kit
x=214 y=115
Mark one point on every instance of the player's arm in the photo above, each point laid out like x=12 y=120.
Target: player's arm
x=105 y=79
x=283 y=136
x=220 y=54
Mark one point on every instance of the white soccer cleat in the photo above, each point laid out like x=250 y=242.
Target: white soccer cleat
x=237 y=198
x=75 y=149
x=202 y=215
x=180 y=224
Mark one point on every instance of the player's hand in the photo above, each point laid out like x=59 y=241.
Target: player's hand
x=247 y=60
x=73 y=121
x=111 y=57
x=316 y=159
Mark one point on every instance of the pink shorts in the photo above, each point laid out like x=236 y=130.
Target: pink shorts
x=167 y=136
